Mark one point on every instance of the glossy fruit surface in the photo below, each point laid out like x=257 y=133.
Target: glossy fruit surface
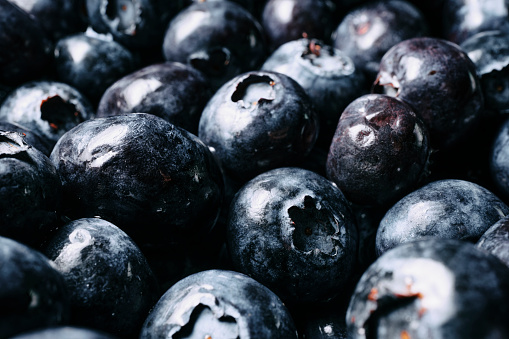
x=219 y=303
x=111 y=285
x=439 y=81
x=379 y=152
x=32 y=293
x=431 y=288
x=171 y=90
x=258 y=121
x=449 y=208
x=293 y=231
x=157 y=182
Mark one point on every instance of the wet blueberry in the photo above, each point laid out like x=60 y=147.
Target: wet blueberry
x=219 y=304
x=111 y=285
x=379 y=152
x=450 y=209
x=292 y=230
x=431 y=288
x=258 y=121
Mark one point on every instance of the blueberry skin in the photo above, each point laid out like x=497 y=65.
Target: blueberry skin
x=258 y=121
x=30 y=191
x=136 y=24
x=328 y=76
x=25 y=49
x=30 y=137
x=495 y=240
x=462 y=18
x=449 y=209
x=49 y=108
x=287 y=20
x=499 y=160
x=439 y=81
x=64 y=332
x=292 y=230
x=367 y=32
x=111 y=285
x=171 y=90
x=379 y=152
x=157 y=182
x=219 y=38
x=32 y=293
x=91 y=64
x=489 y=51
x=431 y=288
x=219 y=303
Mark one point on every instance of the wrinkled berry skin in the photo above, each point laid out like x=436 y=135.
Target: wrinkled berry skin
x=496 y=240
x=49 y=108
x=287 y=20
x=367 y=32
x=91 y=64
x=379 y=152
x=32 y=293
x=31 y=138
x=489 y=51
x=258 y=121
x=157 y=182
x=171 y=90
x=431 y=288
x=292 y=230
x=30 y=191
x=328 y=76
x=219 y=303
x=219 y=38
x=25 y=49
x=136 y=24
x=463 y=18
x=64 y=332
x=439 y=81
x=449 y=209
x=90 y=252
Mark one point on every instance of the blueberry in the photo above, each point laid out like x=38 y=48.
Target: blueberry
x=219 y=38
x=173 y=91
x=495 y=240
x=222 y=304
x=368 y=31
x=450 y=209
x=328 y=76
x=379 y=152
x=499 y=160
x=439 y=81
x=49 y=108
x=32 y=138
x=293 y=230
x=258 y=121
x=30 y=191
x=32 y=293
x=91 y=64
x=157 y=182
x=112 y=287
x=431 y=288
x=64 y=332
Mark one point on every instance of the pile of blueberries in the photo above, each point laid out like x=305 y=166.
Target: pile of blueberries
x=254 y=169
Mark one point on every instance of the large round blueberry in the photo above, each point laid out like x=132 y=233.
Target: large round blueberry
x=30 y=191
x=439 y=81
x=328 y=76
x=496 y=240
x=171 y=90
x=293 y=230
x=219 y=38
x=379 y=152
x=451 y=209
x=219 y=304
x=64 y=332
x=48 y=108
x=258 y=121
x=32 y=293
x=155 y=181
x=111 y=285
x=431 y=288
